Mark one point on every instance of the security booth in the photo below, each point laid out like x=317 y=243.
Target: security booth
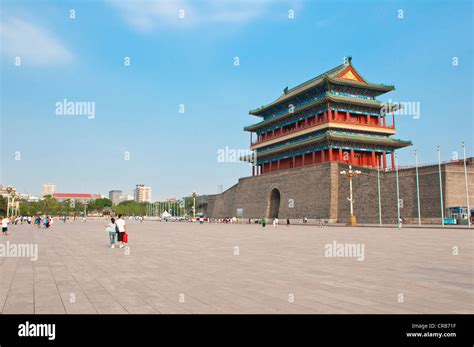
x=458 y=214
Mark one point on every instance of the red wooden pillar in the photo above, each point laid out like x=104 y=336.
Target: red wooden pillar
x=378 y=120
x=278 y=165
x=374 y=162
x=384 y=162
x=294 y=159
x=392 y=155
x=329 y=112
x=303 y=159
x=348 y=116
x=314 y=158
x=330 y=154
x=271 y=166
x=336 y=115
x=322 y=156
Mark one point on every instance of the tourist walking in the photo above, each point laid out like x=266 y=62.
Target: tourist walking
x=121 y=228
x=111 y=229
x=288 y=222
x=264 y=222
x=5 y=222
x=275 y=222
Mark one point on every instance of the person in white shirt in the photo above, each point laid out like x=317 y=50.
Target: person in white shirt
x=121 y=229
x=5 y=222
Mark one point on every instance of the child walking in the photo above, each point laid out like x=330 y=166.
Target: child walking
x=111 y=230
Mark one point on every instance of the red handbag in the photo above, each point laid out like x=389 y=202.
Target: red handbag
x=125 y=237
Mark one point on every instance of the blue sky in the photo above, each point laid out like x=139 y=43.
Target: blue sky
x=190 y=61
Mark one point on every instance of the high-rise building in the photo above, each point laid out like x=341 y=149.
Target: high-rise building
x=142 y=193
x=48 y=189
x=115 y=196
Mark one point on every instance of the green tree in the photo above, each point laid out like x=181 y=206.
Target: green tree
x=130 y=208
x=99 y=204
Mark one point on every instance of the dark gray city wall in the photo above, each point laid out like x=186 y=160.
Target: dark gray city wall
x=303 y=191
x=320 y=192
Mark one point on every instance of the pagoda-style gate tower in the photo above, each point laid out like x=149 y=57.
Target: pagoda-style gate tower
x=332 y=117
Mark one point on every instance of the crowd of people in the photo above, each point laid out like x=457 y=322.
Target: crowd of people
x=116 y=228
x=45 y=221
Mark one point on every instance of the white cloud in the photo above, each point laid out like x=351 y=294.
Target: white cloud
x=32 y=43
x=147 y=16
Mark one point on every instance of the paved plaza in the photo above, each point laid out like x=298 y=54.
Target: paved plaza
x=229 y=268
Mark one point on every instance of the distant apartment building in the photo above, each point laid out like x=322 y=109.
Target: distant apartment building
x=19 y=196
x=115 y=196
x=142 y=193
x=48 y=189
x=126 y=198
x=76 y=197
x=4 y=191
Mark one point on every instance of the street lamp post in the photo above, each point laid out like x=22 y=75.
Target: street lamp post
x=10 y=201
x=440 y=186
x=417 y=188
x=350 y=174
x=194 y=205
x=467 y=190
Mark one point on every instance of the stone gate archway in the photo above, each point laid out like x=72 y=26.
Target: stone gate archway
x=274 y=206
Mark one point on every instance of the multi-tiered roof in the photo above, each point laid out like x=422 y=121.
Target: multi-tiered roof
x=332 y=117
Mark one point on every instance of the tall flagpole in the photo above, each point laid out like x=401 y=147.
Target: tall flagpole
x=440 y=186
x=378 y=186
x=417 y=188
x=398 y=192
x=467 y=189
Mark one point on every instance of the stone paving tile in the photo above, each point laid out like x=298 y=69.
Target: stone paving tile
x=216 y=268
